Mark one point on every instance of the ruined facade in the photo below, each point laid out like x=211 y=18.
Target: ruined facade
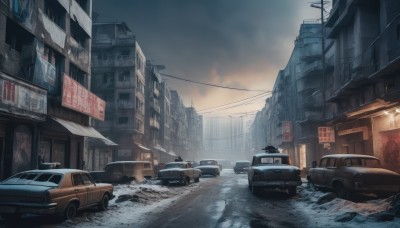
x=349 y=103
x=118 y=77
x=45 y=101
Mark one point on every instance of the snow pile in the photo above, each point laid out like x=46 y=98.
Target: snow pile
x=132 y=204
x=327 y=210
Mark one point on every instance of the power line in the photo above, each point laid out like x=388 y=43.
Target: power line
x=261 y=94
x=207 y=84
x=248 y=102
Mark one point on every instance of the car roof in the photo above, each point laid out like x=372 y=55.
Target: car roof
x=348 y=156
x=242 y=161
x=60 y=171
x=271 y=155
x=128 y=162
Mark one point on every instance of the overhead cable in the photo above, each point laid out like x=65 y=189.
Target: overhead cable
x=207 y=84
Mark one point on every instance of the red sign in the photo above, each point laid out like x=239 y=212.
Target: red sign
x=78 y=98
x=326 y=134
x=287 y=135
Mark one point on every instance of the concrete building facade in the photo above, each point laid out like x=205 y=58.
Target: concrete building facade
x=45 y=53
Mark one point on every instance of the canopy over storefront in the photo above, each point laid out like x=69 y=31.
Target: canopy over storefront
x=85 y=131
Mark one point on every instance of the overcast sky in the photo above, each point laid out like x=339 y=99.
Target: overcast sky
x=233 y=43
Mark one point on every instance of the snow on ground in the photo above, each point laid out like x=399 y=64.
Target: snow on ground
x=326 y=210
x=136 y=200
x=131 y=204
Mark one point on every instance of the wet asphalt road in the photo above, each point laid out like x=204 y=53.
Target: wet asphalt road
x=226 y=201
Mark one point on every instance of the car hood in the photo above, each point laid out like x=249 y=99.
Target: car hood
x=208 y=167
x=364 y=170
x=268 y=167
x=171 y=169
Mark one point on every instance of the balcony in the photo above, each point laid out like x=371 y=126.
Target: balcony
x=129 y=41
x=154 y=123
x=154 y=105
x=124 y=61
x=156 y=92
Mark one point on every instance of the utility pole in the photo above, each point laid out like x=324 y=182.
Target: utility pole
x=320 y=6
x=323 y=58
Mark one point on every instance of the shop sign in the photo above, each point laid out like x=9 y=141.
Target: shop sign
x=287 y=134
x=326 y=134
x=78 y=98
x=21 y=95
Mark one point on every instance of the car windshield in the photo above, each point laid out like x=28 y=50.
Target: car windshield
x=241 y=164
x=362 y=162
x=208 y=163
x=271 y=160
x=174 y=165
x=43 y=179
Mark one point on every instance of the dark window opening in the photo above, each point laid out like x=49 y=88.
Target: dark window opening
x=124 y=76
x=17 y=37
x=83 y=4
x=123 y=120
x=124 y=96
x=77 y=74
x=55 y=12
x=79 y=34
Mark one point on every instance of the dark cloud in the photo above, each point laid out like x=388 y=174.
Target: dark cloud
x=240 y=43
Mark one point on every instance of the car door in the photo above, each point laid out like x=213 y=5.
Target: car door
x=318 y=172
x=80 y=189
x=330 y=172
x=93 y=194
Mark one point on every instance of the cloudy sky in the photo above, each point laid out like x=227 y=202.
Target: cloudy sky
x=231 y=43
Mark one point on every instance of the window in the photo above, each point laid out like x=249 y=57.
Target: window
x=77 y=74
x=83 y=4
x=86 y=179
x=77 y=179
x=55 y=12
x=124 y=76
x=16 y=36
x=124 y=96
x=323 y=162
x=79 y=34
x=331 y=162
x=123 y=120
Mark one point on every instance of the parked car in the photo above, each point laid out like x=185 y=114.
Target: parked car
x=182 y=172
x=209 y=167
x=124 y=171
x=272 y=170
x=241 y=166
x=353 y=173
x=52 y=191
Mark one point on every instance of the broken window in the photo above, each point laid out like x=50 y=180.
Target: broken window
x=17 y=37
x=55 y=12
x=77 y=74
x=79 y=34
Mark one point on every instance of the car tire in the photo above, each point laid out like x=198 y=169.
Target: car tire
x=255 y=190
x=197 y=179
x=292 y=191
x=186 y=181
x=341 y=191
x=70 y=211
x=104 y=202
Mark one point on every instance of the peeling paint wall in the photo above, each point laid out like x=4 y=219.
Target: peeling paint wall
x=57 y=35
x=79 y=15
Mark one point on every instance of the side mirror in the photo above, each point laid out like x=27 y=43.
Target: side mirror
x=314 y=164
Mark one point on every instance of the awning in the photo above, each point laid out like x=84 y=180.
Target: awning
x=142 y=147
x=85 y=131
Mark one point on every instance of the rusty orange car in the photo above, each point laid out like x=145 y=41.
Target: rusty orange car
x=53 y=191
